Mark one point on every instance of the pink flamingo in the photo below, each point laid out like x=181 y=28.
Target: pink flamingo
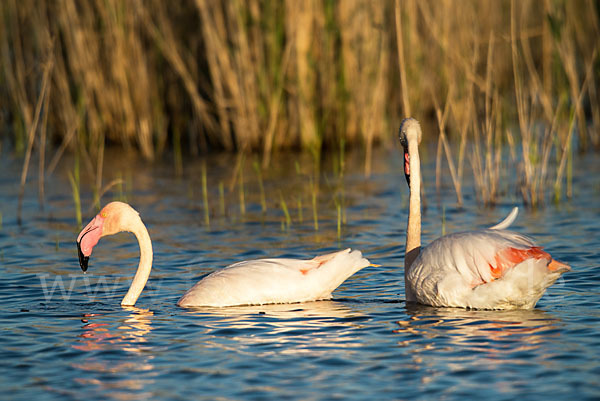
x=255 y=282
x=484 y=269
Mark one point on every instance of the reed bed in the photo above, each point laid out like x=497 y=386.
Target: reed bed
x=502 y=81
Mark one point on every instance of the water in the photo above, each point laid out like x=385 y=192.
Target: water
x=65 y=335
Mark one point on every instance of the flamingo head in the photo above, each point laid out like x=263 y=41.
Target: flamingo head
x=410 y=130
x=112 y=219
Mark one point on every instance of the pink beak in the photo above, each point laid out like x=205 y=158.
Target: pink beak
x=87 y=239
x=407 y=166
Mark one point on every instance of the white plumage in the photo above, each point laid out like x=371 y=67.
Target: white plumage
x=483 y=269
x=268 y=281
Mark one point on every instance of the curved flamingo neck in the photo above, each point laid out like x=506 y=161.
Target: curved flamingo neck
x=413 y=231
x=137 y=227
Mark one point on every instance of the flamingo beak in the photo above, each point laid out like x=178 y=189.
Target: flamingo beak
x=406 y=166
x=83 y=260
x=87 y=239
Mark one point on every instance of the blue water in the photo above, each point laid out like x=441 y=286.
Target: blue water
x=65 y=335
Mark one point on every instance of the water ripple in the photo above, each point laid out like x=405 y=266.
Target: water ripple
x=65 y=335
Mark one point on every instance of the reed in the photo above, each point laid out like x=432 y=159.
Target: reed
x=313 y=192
x=300 y=216
x=119 y=184
x=338 y=208
x=284 y=208
x=443 y=220
x=263 y=201
x=74 y=180
x=177 y=153
x=221 y=198
x=32 y=130
x=486 y=158
x=241 y=191
x=257 y=76
x=443 y=143
x=205 y=196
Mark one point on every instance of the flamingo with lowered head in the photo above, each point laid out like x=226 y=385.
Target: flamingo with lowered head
x=483 y=269
x=254 y=282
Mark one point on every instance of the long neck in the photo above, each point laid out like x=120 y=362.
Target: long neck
x=143 y=270
x=413 y=231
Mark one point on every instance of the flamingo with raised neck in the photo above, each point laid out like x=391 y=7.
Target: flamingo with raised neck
x=254 y=282
x=484 y=269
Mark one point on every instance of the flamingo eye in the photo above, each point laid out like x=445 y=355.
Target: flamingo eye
x=103 y=215
x=403 y=140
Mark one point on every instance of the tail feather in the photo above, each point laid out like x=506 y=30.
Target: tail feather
x=504 y=224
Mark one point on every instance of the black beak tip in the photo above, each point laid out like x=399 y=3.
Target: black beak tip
x=83 y=260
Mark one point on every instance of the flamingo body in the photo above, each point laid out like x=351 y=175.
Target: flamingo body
x=485 y=269
x=269 y=281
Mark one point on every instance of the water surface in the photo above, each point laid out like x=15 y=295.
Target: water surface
x=65 y=335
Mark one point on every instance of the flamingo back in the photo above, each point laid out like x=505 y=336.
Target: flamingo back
x=267 y=281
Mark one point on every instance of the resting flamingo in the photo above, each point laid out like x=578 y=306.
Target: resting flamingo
x=255 y=282
x=484 y=269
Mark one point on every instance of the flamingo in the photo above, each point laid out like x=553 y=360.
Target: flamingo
x=482 y=269
x=254 y=282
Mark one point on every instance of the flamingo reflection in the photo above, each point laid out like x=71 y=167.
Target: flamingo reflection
x=303 y=328
x=489 y=331
x=129 y=336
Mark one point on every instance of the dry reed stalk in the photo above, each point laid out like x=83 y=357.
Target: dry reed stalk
x=363 y=39
x=463 y=122
x=113 y=183
x=221 y=198
x=300 y=21
x=99 y=170
x=42 y=98
x=401 y=62
x=247 y=66
x=492 y=115
x=76 y=198
x=59 y=152
x=275 y=106
x=314 y=195
x=522 y=112
x=595 y=107
x=241 y=192
x=486 y=158
x=550 y=116
x=42 y=152
x=567 y=144
x=14 y=64
x=373 y=122
x=263 y=200
x=579 y=22
x=205 y=196
x=542 y=175
x=284 y=208
x=486 y=167
x=164 y=38
x=443 y=142
x=437 y=18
